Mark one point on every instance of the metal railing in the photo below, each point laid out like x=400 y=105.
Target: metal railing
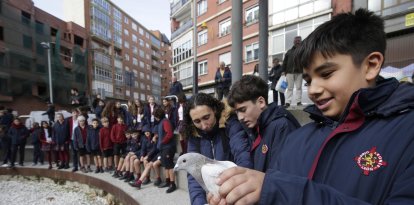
x=177 y=6
x=182 y=28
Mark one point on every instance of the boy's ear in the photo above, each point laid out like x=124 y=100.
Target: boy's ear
x=262 y=102
x=373 y=63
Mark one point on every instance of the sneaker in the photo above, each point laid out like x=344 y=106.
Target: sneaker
x=172 y=188
x=164 y=185
x=131 y=178
x=299 y=104
x=89 y=169
x=146 y=181
x=41 y=163
x=75 y=169
x=34 y=164
x=21 y=164
x=97 y=170
x=5 y=165
x=101 y=170
x=10 y=166
x=66 y=166
x=123 y=177
x=157 y=182
x=82 y=169
x=286 y=105
x=61 y=166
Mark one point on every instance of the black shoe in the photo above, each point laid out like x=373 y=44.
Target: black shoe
x=146 y=181
x=97 y=170
x=164 y=185
x=75 y=169
x=116 y=174
x=130 y=178
x=123 y=177
x=61 y=166
x=286 y=105
x=11 y=166
x=136 y=184
x=299 y=104
x=157 y=182
x=172 y=188
x=101 y=170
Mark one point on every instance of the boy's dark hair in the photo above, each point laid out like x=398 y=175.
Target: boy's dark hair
x=95 y=119
x=197 y=100
x=129 y=131
x=249 y=87
x=159 y=113
x=356 y=35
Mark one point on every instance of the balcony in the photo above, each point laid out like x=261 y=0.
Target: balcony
x=182 y=28
x=177 y=6
x=156 y=55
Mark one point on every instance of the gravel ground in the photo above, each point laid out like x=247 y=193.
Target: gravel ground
x=18 y=190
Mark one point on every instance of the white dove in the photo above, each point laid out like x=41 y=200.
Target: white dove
x=204 y=170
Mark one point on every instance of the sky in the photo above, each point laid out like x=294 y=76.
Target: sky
x=153 y=14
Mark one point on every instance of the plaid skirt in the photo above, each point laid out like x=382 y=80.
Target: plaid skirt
x=47 y=147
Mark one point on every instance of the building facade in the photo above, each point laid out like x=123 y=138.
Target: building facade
x=125 y=56
x=24 y=84
x=287 y=19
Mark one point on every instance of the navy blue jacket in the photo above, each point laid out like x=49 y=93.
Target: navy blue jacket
x=60 y=133
x=176 y=88
x=147 y=113
x=92 y=139
x=35 y=135
x=223 y=81
x=18 y=134
x=6 y=120
x=146 y=146
x=364 y=158
x=211 y=145
x=274 y=124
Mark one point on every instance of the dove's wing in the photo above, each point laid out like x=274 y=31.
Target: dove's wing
x=211 y=171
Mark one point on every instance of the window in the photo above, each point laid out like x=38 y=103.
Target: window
x=202 y=37
x=141 y=42
x=142 y=96
x=141 y=53
x=252 y=15
x=117 y=27
x=126 y=32
x=102 y=73
x=134 y=26
x=141 y=75
x=252 y=52
x=134 y=49
x=134 y=38
x=141 y=64
x=141 y=31
x=126 y=20
x=202 y=68
x=224 y=27
x=226 y=58
x=26 y=18
x=135 y=61
x=182 y=52
x=27 y=41
x=221 y=1
x=201 y=7
x=126 y=44
x=147 y=35
x=147 y=56
x=126 y=57
x=117 y=15
x=147 y=45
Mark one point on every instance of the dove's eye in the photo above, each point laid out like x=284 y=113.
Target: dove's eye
x=184 y=161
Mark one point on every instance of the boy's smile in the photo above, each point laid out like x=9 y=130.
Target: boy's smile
x=331 y=82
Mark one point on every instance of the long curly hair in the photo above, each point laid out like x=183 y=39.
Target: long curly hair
x=132 y=108
x=109 y=109
x=199 y=100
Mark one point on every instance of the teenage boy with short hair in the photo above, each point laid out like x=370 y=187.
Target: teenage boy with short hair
x=360 y=148
x=272 y=123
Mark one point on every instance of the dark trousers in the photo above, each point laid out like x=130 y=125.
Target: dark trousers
x=14 y=149
x=6 y=148
x=222 y=92
x=38 y=155
x=75 y=157
x=275 y=97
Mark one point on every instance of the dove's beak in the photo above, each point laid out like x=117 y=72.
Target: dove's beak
x=176 y=168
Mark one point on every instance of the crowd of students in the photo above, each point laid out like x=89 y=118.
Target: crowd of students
x=127 y=142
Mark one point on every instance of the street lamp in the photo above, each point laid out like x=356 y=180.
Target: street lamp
x=46 y=45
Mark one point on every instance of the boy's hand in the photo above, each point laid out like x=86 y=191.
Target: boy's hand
x=214 y=200
x=240 y=185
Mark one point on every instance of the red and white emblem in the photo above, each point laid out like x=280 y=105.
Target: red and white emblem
x=370 y=161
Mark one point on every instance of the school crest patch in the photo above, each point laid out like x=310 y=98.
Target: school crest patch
x=370 y=161
x=264 y=149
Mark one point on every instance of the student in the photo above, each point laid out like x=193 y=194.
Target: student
x=272 y=123
x=5 y=144
x=121 y=166
x=213 y=131
x=73 y=123
x=47 y=142
x=167 y=145
x=106 y=145
x=92 y=144
x=37 y=145
x=181 y=127
x=149 y=111
x=18 y=134
x=61 y=138
x=81 y=133
x=360 y=148
x=133 y=150
x=148 y=157
x=118 y=139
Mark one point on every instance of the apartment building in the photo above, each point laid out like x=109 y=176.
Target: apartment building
x=24 y=84
x=287 y=19
x=125 y=60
